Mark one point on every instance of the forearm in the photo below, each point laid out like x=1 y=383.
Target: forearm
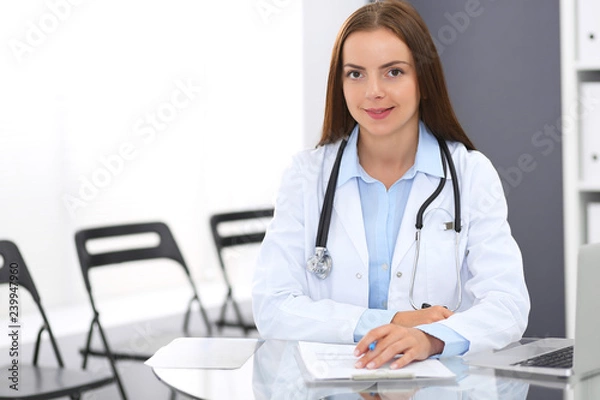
x=301 y=318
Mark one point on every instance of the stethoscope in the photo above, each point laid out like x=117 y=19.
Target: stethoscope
x=320 y=263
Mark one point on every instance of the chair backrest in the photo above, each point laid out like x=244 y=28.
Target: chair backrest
x=225 y=240
x=166 y=248
x=15 y=270
x=15 y=273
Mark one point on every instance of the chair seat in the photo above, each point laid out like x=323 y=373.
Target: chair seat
x=50 y=382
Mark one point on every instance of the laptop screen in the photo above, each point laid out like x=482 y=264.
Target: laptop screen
x=587 y=318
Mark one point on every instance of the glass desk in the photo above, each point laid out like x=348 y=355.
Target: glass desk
x=273 y=372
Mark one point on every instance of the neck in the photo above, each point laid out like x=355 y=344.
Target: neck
x=387 y=158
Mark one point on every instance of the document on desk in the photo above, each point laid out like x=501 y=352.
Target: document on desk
x=336 y=362
x=205 y=353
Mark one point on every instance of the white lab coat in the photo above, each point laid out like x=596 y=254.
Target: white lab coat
x=293 y=304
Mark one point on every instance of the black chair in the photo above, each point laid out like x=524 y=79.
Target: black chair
x=223 y=241
x=33 y=381
x=166 y=249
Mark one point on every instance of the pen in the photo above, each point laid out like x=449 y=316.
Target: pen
x=372 y=346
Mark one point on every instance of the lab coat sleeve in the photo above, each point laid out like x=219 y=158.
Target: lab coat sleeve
x=495 y=281
x=282 y=304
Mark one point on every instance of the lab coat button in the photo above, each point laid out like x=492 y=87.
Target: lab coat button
x=399 y=274
x=358 y=276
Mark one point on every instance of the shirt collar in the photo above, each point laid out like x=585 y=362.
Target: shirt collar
x=427 y=160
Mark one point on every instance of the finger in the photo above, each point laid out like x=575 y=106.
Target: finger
x=388 y=354
x=369 y=355
x=362 y=346
x=370 y=396
x=403 y=361
x=371 y=337
x=446 y=313
x=391 y=336
x=416 y=349
x=413 y=352
x=387 y=348
x=439 y=312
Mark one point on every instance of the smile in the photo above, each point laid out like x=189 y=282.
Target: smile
x=378 y=113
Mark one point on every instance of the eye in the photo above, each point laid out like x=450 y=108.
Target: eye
x=354 y=74
x=394 y=73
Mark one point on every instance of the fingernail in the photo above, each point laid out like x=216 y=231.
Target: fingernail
x=393 y=366
x=358 y=364
x=356 y=353
x=371 y=365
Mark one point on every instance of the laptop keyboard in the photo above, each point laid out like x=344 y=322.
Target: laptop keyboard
x=561 y=358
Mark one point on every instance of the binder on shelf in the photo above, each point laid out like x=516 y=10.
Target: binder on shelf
x=590 y=132
x=593 y=222
x=588 y=30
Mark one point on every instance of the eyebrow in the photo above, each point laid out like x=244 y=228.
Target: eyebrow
x=386 y=65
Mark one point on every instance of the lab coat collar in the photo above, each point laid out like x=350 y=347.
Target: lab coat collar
x=347 y=208
x=427 y=159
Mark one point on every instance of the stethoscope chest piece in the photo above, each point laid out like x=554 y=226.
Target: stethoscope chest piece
x=320 y=263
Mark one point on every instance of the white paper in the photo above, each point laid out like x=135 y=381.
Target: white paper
x=336 y=362
x=207 y=353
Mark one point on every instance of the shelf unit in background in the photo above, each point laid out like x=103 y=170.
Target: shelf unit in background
x=577 y=193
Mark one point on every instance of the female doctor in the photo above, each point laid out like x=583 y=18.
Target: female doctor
x=393 y=232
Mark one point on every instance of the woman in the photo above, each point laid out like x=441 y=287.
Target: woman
x=388 y=105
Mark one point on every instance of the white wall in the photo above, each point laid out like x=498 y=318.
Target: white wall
x=81 y=82
x=321 y=22
x=132 y=111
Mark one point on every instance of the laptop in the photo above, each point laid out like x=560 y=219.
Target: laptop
x=550 y=356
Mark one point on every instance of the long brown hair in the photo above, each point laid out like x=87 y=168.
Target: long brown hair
x=402 y=19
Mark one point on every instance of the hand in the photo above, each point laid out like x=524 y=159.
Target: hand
x=393 y=339
x=420 y=317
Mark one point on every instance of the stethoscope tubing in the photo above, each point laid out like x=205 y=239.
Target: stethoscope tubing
x=325 y=218
x=445 y=156
x=320 y=264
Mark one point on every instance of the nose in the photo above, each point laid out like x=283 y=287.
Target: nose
x=375 y=89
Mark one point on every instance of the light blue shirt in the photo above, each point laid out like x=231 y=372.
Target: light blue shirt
x=382 y=211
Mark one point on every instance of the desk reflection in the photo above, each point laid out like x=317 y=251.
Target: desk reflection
x=278 y=374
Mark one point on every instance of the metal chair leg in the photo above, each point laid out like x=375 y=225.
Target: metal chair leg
x=88 y=343
x=112 y=361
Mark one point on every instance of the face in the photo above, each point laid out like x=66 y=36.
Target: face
x=380 y=83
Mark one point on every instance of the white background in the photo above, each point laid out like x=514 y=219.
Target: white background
x=79 y=84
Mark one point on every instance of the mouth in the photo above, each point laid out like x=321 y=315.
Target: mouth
x=378 y=113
